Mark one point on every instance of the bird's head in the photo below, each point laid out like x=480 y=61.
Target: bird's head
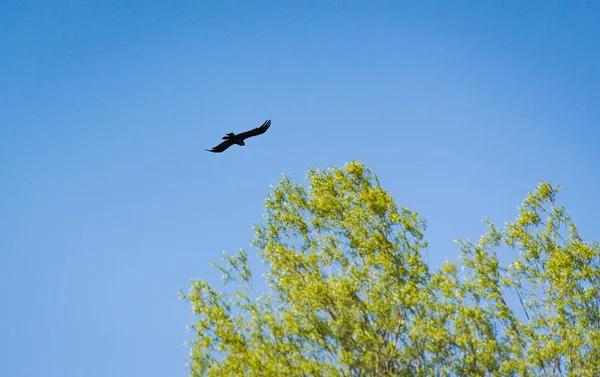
x=243 y=143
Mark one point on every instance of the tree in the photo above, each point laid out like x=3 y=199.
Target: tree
x=351 y=295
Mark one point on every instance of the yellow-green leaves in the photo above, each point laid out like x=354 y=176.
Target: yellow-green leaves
x=350 y=293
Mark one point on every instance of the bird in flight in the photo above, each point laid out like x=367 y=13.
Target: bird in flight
x=238 y=139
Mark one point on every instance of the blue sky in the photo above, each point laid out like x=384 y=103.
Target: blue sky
x=109 y=204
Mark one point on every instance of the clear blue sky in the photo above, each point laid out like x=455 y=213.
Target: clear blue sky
x=109 y=205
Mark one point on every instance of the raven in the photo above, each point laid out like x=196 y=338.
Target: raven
x=238 y=139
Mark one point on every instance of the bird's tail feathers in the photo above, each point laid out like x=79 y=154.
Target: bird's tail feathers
x=228 y=136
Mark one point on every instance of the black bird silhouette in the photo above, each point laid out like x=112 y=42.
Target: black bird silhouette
x=238 y=139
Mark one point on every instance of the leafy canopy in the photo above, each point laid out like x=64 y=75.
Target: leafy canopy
x=351 y=295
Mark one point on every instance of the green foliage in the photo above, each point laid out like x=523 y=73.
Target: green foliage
x=351 y=295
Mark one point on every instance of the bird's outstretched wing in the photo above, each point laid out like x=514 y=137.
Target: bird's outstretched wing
x=257 y=131
x=221 y=147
